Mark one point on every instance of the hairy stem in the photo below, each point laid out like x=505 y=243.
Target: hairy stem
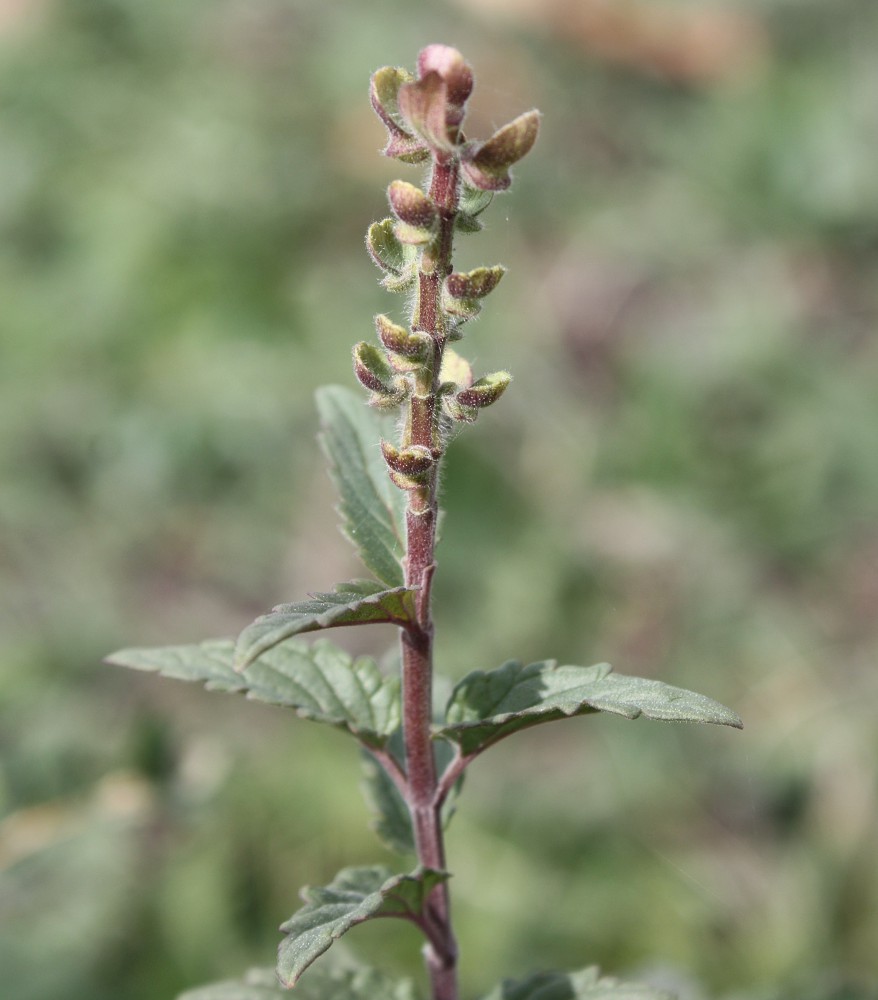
x=417 y=640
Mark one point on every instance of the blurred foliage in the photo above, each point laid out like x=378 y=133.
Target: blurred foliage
x=682 y=480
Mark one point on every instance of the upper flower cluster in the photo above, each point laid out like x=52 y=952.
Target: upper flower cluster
x=424 y=115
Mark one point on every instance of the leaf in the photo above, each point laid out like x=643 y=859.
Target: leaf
x=485 y=707
x=257 y=984
x=354 y=896
x=583 y=985
x=392 y=822
x=371 y=507
x=319 y=681
x=360 y=602
x=322 y=982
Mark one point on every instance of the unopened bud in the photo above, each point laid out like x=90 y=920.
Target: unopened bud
x=450 y=65
x=413 y=461
x=384 y=94
x=410 y=344
x=388 y=252
x=423 y=105
x=486 y=391
x=412 y=236
x=458 y=412
x=373 y=372
x=474 y=284
x=411 y=205
x=486 y=165
x=384 y=248
x=455 y=370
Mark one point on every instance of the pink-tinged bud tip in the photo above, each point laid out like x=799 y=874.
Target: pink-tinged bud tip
x=450 y=65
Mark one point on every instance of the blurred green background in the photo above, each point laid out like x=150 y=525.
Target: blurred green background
x=683 y=481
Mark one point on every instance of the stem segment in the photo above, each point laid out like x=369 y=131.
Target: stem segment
x=417 y=640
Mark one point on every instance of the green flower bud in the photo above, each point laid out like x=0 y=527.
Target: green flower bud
x=384 y=93
x=486 y=391
x=455 y=370
x=411 y=205
x=474 y=284
x=458 y=412
x=486 y=165
x=413 y=461
x=373 y=372
x=389 y=253
x=412 y=235
x=405 y=482
x=399 y=340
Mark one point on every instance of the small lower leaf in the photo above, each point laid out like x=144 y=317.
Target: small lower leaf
x=354 y=896
x=486 y=706
x=257 y=984
x=359 y=602
x=586 y=984
x=392 y=821
x=319 y=681
x=326 y=981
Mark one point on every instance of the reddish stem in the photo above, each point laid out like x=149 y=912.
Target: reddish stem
x=440 y=952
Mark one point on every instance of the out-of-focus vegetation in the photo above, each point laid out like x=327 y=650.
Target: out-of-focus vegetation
x=683 y=480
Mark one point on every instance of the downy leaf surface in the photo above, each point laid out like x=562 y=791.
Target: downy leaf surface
x=371 y=507
x=321 y=983
x=354 y=896
x=360 y=602
x=586 y=984
x=319 y=681
x=486 y=706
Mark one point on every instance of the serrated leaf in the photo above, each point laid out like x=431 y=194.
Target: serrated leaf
x=371 y=507
x=321 y=983
x=354 y=896
x=319 y=681
x=360 y=602
x=586 y=984
x=486 y=706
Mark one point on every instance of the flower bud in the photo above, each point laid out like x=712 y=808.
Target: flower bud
x=411 y=205
x=453 y=69
x=412 y=236
x=486 y=391
x=486 y=165
x=373 y=372
x=388 y=252
x=405 y=482
x=401 y=341
x=384 y=93
x=413 y=461
x=474 y=284
x=423 y=105
x=458 y=412
x=455 y=370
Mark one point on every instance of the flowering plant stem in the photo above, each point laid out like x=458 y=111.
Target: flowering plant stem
x=417 y=639
x=389 y=512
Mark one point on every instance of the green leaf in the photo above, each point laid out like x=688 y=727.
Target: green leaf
x=257 y=984
x=354 y=896
x=583 y=985
x=319 y=681
x=372 y=508
x=321 y=983
x=485 y=707
x=360 y=602
x=392 y=821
